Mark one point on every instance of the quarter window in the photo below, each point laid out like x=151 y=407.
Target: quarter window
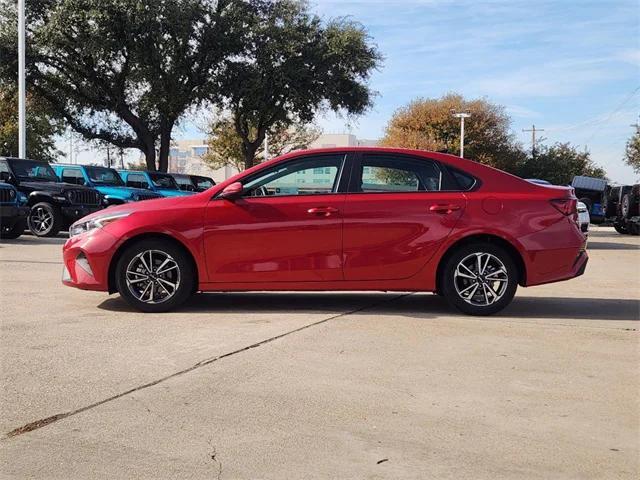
x=387 y=173
x=309 y=176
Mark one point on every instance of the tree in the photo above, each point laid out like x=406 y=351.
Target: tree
x=123 y=71
x=292 y=66
x=225 y=145
x=559 y=163
x=42 y=127
x=428 y=124
x=632 y=152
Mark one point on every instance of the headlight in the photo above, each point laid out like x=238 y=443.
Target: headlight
x=83 y=226
x=22 y=198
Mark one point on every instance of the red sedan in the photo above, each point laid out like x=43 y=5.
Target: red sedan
x=337 y=219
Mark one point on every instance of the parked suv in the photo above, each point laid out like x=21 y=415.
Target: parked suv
x=13 y=213
x=53 y=205
x=192 y=183
x=160 y=183
x=623 y=208
x=105 y=180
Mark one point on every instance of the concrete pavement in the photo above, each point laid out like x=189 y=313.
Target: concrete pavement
x=320 y=385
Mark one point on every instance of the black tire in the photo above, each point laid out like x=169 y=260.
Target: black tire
x=620 y=228
x=454 y=285
x=41 y=211
x=11 y=233
x=136 y=257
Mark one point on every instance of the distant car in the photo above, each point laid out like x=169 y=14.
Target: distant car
x=161 y=183
x=13 y=212
x=54 y=205
x=106 y=180
x=583 y=217
x=337 y=219
x=192 y=183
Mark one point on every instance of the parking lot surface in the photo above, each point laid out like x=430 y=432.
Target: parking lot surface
x=345 y=385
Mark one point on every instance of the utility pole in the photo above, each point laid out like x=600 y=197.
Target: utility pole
x=22 y=96
x=461 y=116
x=533 y=131
x=266 y=146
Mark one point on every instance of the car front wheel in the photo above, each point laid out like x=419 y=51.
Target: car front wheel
x=155 y=275
x=480 y=279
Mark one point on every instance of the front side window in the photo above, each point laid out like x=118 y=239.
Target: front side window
x=104 y=176
x=309 y=176
x=388 y=173
x=161 y=180
x=33 y=170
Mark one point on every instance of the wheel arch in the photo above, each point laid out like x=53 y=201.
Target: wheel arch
x=37 y=197
x=483 y=238
x=111 y=278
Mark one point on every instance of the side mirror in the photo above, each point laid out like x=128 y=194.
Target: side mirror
x=232 y=192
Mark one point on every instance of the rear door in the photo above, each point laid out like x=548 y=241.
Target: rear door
x=396 y=215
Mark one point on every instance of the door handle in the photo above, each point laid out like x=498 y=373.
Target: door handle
x=444 y=209
x=322 y=211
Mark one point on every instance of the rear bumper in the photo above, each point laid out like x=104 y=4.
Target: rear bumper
x=556 y=253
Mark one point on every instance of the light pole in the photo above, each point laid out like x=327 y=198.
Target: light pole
x=22 y=109
x=461 y=116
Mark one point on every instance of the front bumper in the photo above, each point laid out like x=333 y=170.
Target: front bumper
x=75 y=212
x=86 y=260
x=10 y=214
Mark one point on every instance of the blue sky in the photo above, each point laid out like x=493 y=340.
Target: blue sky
x=570 y=67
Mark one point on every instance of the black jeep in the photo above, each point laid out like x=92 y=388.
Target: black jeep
x=54 y=205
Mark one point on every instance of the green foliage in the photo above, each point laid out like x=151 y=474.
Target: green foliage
x=42 y=127
x=558 y=164
x=632 y=152
x=292 y=66
x=123 y=71
x=428 y=124
x=225 y=145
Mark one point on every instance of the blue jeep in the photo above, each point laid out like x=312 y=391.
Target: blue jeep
x=157 y=182
x=105 y=180
x=13 y=212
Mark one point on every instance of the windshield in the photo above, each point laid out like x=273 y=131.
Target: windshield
x=104 y=176
x=161 y=180
x=203 y=183
x=183 y=180
x=33 y=170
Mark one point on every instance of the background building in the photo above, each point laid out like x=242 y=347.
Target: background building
x=185 y=156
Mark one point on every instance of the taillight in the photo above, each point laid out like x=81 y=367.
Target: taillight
x=566 y=206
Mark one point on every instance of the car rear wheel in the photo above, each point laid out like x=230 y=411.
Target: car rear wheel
x=155 y=275
x=480 y=279
x=10 y=233
x=44 y=220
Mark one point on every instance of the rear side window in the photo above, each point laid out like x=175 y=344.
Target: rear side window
x=72 y=175
x=389 y=173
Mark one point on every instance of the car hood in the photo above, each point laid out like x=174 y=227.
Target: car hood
x=166 y=203
x=123 y=192
x=53 y=187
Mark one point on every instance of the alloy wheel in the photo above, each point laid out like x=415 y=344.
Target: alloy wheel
x=153 y=276
x=481 y=279
x=41 y=220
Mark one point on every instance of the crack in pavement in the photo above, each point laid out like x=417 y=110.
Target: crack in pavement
x=43 y=422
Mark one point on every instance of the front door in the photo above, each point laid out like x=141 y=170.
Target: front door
x=287 y=227
x=396 y=216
